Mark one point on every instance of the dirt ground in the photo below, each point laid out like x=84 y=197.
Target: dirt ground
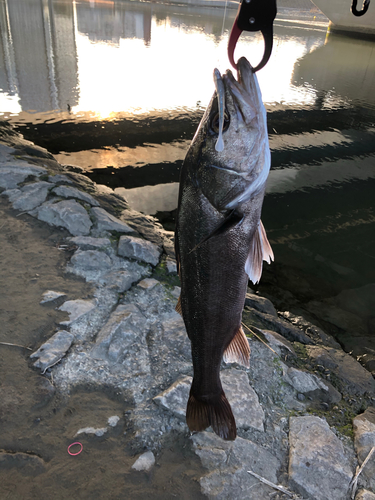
x=37 y=424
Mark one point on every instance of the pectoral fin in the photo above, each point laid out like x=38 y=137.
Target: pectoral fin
x=238 y=351
x=260 y=250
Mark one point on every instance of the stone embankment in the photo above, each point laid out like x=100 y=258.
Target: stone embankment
x=304 y=409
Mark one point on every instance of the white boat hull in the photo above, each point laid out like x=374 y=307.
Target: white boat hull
x=341 y=18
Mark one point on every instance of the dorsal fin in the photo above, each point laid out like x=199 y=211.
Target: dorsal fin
x=260 y=250
x=238 y=351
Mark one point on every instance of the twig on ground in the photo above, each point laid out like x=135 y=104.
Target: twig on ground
x=259 y=338
x=353 y=483
x=16 y=345
x=277 y=487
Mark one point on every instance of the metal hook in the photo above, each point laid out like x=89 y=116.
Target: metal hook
x=364 y=9
x=254 y=15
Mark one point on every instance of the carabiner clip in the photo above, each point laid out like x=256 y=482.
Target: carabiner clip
x=254 y=15
x=359 y=13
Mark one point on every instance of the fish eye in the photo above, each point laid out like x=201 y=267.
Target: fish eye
x=215 y=123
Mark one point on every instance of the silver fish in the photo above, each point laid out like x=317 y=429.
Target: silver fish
x=220 y=240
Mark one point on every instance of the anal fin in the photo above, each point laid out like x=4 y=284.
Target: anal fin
x=238 y=351
x=260 y=251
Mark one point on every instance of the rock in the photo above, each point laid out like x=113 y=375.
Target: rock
x=364 y=440
x=113 y=421
x=146 y=225
x=91 y=430
x=144 y=462
x=52 y=351
x=260 y=303
x=343 y=319
x=359 y=301
x=15 y=173
x=28 y=464
x=139 y=249
x=122 y=341
x=171 y=266
x=68 y=214
x=357 y=380
x=243 y=399
x=228 y=463
x=175 y=398
x=107 y=222
x=89 y=243
x=91 y=260
x=305 y=383
x=29 y=196
x=72 y=192
x=269 y=322
x=365 y=495
x=276 y=341
x=148 y=283
x=168 y=247
x=59 y=179
x=120 y=280
x=76 y=309
x=318 y=466
x=312 y=331
x=51 y=296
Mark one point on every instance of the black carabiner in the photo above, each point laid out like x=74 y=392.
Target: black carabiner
x=364 y=9
x=254 y=15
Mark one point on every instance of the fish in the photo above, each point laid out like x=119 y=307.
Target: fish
x=220 y=241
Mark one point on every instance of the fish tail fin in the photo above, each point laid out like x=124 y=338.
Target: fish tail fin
x=215 y=412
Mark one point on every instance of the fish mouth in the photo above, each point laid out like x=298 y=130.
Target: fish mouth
x=244 y=92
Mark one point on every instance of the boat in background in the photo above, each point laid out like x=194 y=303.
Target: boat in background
x=343 y=20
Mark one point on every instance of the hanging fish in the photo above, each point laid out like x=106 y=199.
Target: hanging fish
x=220 y=240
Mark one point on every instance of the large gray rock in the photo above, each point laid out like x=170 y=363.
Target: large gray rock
x=305 y=382
x=243 y=399
x=76 y=309
x=14 y=173
x=90 y=243
x=52 y=351
x=228 y=463
x=107 y=222
x=72 y=192
x=260 y=303
x=29 y=196
x=139 y=249
x=241 y=396
x=122 y=340
x=364 y=440
x=357 y=380
x=175 y=398
x=318 y=466
x=67 y=213
x=91 y=260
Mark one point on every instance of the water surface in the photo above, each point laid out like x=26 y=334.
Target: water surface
x=119 y=87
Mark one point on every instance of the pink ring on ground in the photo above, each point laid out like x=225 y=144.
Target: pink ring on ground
x=78 y=452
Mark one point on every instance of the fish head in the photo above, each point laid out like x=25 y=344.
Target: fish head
x=231 y=174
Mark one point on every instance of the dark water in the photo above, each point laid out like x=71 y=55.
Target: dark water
x=119 y=87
